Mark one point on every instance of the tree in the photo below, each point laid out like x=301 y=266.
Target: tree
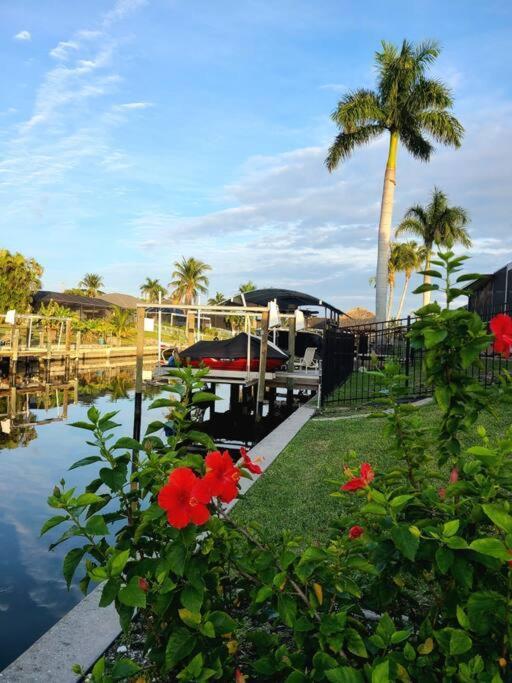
x=409 y=107
x=411 y=258
x=248 y=286
x=393 y=268
x=121 y=322
x=217 y=300
x=91 y=284
x=151 y=289
x=189 y=280
x=20 y=279
x=436 y=224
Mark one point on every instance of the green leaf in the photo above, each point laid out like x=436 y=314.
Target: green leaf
x=444 y=559
x=128 y=443
x=499 y=516
x=118 y=562
x=82 y=425
x=191 y=598
x=222 y=622
x=344 y=674
x=88 y=499
x=98 y=670
x=406 y=543
x=176 y=557
x=400 y=501
x=287 y=608
x=490 y=546
x=109 y=592
x=426 y=288
x=451 y=528
x=355 y=643
x=115 y=478
x=486 y=610
x=124 y=668
x=374 y=509
x=433 y=337
x=180 y=645
x=380 y=673
x=462 y=618
x=71 y=562
x=96 y=526
x=132 y=595
x=85 y=461
x=204 y=396
x=399 y=636
x=460 y=642
x=467 y=277
x=263 y=594
x=53 y=521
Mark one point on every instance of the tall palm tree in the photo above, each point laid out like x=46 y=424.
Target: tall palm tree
x=188 y=280
x=409 y=107
x=411 y=258
x=91 y=284
x=150 y=290
x=436 y=224
x=393 y=269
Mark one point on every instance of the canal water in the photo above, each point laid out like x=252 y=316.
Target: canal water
x=37 y=446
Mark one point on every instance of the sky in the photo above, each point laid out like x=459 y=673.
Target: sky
x=137 y=132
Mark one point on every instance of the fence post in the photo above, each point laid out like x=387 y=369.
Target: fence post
x=407 y=351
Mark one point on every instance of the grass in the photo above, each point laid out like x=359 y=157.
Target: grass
x=293 y=494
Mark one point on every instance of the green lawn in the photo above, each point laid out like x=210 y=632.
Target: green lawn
x=294 y=492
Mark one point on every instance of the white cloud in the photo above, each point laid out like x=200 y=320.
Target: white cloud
x=23 y=36
x=135 y=105
x=64 y=48
x=334 y=87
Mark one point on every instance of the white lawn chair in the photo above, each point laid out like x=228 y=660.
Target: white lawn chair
x=308 y=362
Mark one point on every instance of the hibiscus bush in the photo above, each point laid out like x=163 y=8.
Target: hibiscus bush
x=414 y=583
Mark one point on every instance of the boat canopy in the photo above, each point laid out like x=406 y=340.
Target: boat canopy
x=236 y=347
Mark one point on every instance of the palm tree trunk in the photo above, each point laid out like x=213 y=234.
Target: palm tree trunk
x=386 y=213
x=390 y=300
x=427 y=279
x=402 y=298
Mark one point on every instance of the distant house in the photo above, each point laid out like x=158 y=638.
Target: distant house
x=85 y=306
x=122 y=300
x=491 y=294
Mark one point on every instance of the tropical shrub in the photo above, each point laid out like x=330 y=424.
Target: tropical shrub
x=414 y=583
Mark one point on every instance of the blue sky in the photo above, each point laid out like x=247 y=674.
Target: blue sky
x=134 y=132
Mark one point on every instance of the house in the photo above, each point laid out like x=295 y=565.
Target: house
x=85 y=306
x=491 y=294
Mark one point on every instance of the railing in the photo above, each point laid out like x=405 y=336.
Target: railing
x=350 y=352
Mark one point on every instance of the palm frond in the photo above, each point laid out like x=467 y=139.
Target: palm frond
x=416 y=144
x=356 y=109
x=442 y=126
x=345 y=143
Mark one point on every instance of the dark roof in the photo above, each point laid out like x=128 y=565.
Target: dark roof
x=44 y=297
x=122 y=300
x=287 y=299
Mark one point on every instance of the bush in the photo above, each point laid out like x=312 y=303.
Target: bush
x=413 y=586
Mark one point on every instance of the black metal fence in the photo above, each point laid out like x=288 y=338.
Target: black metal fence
x=350 y=352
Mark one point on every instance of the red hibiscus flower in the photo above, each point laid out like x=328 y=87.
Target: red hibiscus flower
x=221 y=476
x=184 y=498
x=501 y=327
x=144 y=585
x=248 y=463
x=442 y=493
x=355 y=532
x=366 y=475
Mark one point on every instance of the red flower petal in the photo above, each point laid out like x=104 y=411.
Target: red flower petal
x=367 y=473
x=355 y=532
x=354 y=484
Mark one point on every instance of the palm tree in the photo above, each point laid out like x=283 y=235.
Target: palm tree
x=188 y=280
x=393 y=268
x=91 y=284
x=410 y=107
x=411 y=258
x=248 y=286
x=217 y=300
x=151 y=289
x=437 y=224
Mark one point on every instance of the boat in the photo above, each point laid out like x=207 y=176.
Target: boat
x=231 y=354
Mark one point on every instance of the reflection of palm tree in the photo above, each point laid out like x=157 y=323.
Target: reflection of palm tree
x=151 y=290
x=189 y=280
x=119 y=388
x=91 y=283
x=410 y=108
x=436 y=224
